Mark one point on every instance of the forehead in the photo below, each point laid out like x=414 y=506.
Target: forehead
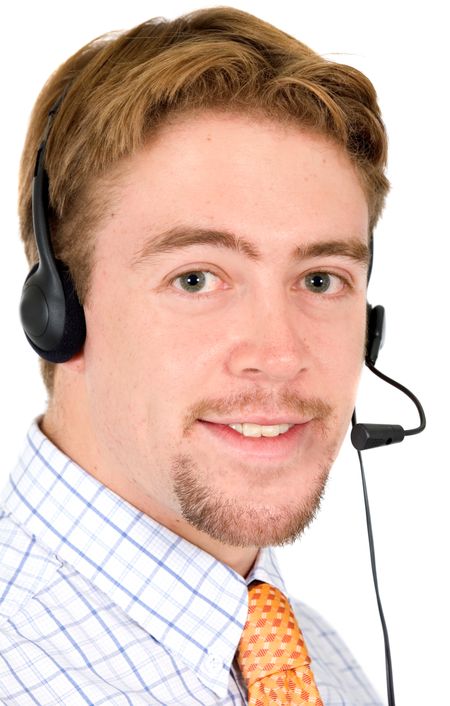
x=251 y=176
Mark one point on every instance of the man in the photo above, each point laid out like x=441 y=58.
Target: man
x=214 y=185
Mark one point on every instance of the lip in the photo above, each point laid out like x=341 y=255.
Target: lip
x=256 y=419
x=277 y=448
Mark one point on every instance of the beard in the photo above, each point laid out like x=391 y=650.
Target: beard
x=244 y=520
x=239 y=522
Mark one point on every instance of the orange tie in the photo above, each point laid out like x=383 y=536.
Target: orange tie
x=272 y=654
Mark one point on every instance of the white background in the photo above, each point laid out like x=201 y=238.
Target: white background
x=402 y=47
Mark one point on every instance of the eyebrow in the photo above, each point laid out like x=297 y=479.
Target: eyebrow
x=179 y=237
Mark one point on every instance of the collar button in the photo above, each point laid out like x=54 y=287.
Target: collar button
x=212 y=664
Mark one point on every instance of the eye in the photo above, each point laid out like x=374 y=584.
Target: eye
x=195 y=281
x=323 y=282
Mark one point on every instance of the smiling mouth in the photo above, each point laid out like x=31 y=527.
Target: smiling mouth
x=278 y=442
x=259 y=425
x=250 y=429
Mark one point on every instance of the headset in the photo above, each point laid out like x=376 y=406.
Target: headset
x=51 y=314
x=54 y=324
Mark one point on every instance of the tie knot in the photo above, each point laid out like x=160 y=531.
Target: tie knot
x=272 y=641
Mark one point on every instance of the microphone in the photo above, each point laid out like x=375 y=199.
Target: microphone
x=369 y=436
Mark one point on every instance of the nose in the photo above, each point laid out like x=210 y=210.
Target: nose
x=270 y=341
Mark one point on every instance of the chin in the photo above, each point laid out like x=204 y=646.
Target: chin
x=245 y=521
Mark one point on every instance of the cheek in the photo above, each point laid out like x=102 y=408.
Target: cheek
x=139 y=357
x=112 y=349
x=186 y=360
x=345 y=359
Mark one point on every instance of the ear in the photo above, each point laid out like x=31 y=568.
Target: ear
x=76 y=364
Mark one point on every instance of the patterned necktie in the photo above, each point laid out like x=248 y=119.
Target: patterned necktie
x=272 y=654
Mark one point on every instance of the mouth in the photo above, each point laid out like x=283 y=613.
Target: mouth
x=254 y=429
x=264 y=441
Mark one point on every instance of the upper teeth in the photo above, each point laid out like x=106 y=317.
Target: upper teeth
x=248 y=429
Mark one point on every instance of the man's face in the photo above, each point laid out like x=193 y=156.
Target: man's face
x=229 y=287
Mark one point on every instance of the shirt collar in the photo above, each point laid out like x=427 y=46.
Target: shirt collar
x=187 y=600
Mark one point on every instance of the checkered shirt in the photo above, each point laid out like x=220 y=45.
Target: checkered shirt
x=100 y=604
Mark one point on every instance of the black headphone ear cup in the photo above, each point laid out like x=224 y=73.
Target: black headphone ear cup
x=375 y=332
x=52 y=316
x=33 y=307
x=43 y=306
x=368 y=329
x=74 y=333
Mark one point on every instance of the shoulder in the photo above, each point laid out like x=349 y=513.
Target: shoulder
x=25 y=567
x=338 y=673
x=321 y=637
x=313 y=622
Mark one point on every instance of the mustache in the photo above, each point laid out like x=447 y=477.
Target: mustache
x=257 y=401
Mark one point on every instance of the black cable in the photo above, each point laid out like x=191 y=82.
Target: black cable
x=387 y=650
x=408 y=393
